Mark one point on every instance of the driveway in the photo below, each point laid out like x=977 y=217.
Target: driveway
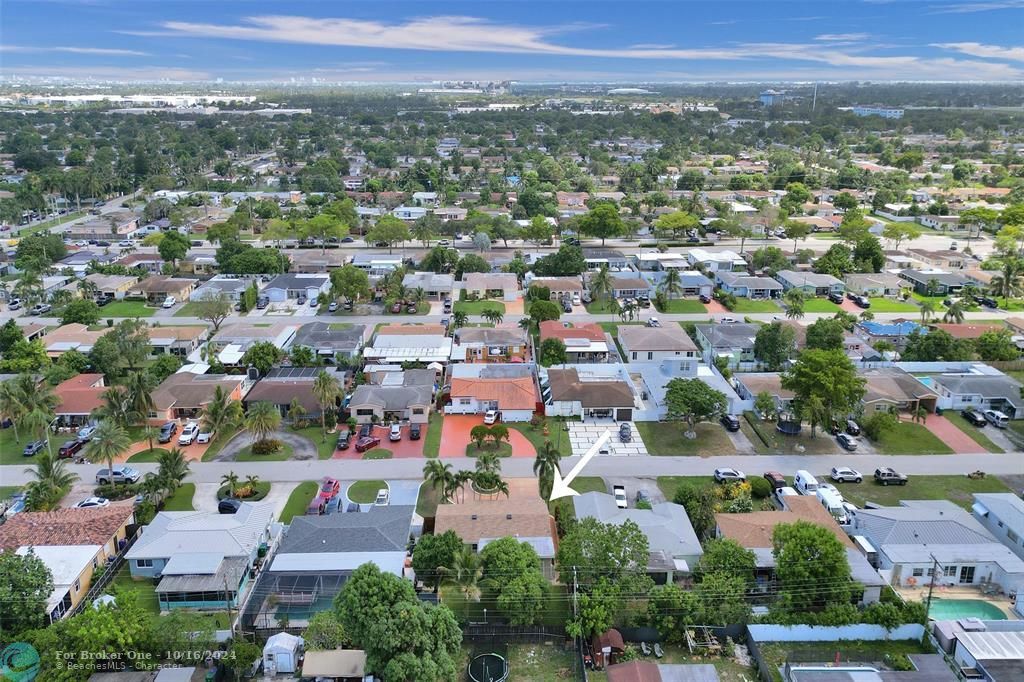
x=634 y=483
x=400 y=449
x=205 y=498
x=950 y=434
x=583 y=435
x=403 y=493
x=302 y=447
x=455 y=436
x=715 y=307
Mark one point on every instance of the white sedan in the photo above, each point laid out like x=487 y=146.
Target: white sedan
x=725 y=475
x=490 y=417
x=845 y=475
x=91 y=502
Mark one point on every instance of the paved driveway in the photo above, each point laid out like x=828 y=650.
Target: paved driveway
x=400 y=449
x=302 y=447
x=455 y=436
x=205 y=498
x=634 y=483
x=950 y=434
x=716 y=307
x=403 y=493
x=582 y=436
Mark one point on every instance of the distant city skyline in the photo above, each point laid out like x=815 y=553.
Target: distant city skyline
x=641 y=41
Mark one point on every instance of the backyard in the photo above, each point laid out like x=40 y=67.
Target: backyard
x=909 y=438
x=556 y=605
x=666 y=438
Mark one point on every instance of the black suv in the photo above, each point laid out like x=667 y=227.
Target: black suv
x=414 y=431
x=835 y=297
x=730 y=422
x=167 y=432
x=365 y=430
x=343 y=440
x=975 y=418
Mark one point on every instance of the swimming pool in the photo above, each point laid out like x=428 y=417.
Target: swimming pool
x=955 y=609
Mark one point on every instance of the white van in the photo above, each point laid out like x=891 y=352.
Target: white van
x=784 y=492
x=805 y=483
x=834 y=504
x=997 y=418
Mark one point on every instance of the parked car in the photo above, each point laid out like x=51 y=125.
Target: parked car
x=167 y=432
x=835 y=297
x=847 y=442
x=411 y=309
x=262 y=302
x=727 y=475
x=643 y=496
x=121 y=473
x=889 y=476
x=396 y=307
x=704 y=298
x=169 y=302
x=653 y=322
x=572 y=241
x=805 y=482
x=347 y=305
x=775 y=478
x=383 y=498
x=365 y=430
x=725 y=319
x=785 y=491
x=40 y=309
x=730 y=422
x=490 y=417
x=997 y=418
x=619 y=491
x=414 y=431
x=625 y=432
x=364 y=444
x=852 y=427
x=15 y=304
x=396 y=433
x=332 y=307
x=70 y=449
x=329 y=487
x=188 y=434
x=845 y=475
x=93 y=502
x=566 y=307
x=576 y=300
x=974 y=418
x=33 y=448
x=301 y=300
x=343 y=440
x=862 y=302
x=229 y=505
x=204 y=436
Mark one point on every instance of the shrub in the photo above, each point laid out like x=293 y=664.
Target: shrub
x=266 y=447
x=878 y=423
x=121 y=491
x=760 y=488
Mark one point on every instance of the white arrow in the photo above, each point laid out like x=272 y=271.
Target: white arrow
x=560 y=487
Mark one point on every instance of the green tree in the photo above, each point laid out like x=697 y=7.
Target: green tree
x=24 y=356
x=492 y=315
x=537 y=231
x=723 y=598
x=808 y=554
x=825 y=384
x=262 y=355
x=765 y=405
x=388 y=230
x=541 y=311
x=213 y=309
x=794 y=300
x=10 y=333
x=51 y=481
x=432 y=552
x=825 y=334
x=936 y=346
x=774 y=344
x=679 y=222
x=323 y=227
x=222 y=413
x=671 y=610
x=262 y=419
x=81 y=311
x=692 y=400
x=602 y=221
x=618 y=552
x=173 y=247
x=25 y=587
x=326 y=390
x=512 y=569
x=109 y=440
x=796 y=231
x=351 y=282
x=324 y=632
x=837 y=261
x=897 y=233
x=728 y=556
x=552 y=352
x=996 y=344
x=544 y=466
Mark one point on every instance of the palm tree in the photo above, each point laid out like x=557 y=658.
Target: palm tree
x=465 y=574
x=544 y=467
x=672 y=285
x=440 y=477
x=954 y=313
x=116 y=406
x=459 y=481
x=927 y=308
x=326 y=390
x=525 y=323
x=140 y=398
x=601 y=282
x=794 y=300
x=149 y=433
x=52 y=481
x=493 y=315
x=108 y=441
x=932 y=286
x=488 y=463
x=222 y=413
x=459 y=319
x=1007 y=282
x=153 y=487
x=262 y=420
x=229 y=480
x=11 y=405
x=174 y=467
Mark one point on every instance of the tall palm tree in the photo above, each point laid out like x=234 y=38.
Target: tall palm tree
x=39 y=403
x=117 y=407
x=464 y=574
x=794 y=300
x=954 y=313
x=601 y=283
x=51 y=481
x=108 y=441
x=262 y=419
x=927 y=309
x=11 y=405
x=1007 y=282
x=326 y=390
x=173 y=467
x=493 y=315
x=488 y=463
x=932 y=285
x=544 y=466
x=459 y=319
x=459 y=481
x=222 y=413
x=139 y=387
x=672 y=285
x=440 y=477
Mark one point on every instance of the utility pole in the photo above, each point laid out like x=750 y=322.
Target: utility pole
x=575 y=617
x=931 y=584
x=227 y=601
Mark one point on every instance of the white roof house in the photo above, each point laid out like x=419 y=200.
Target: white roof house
x=398 y=348
x=66 y=564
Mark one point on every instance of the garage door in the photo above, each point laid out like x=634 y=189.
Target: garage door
x=624 y=414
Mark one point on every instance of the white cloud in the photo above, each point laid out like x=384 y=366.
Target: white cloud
x=107 y=52
x=842 y=37
x=652 y=46
x=972 y=7
x=989 y=51
x=117 y=73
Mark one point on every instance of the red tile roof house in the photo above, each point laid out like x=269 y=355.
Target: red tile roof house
x=78 y=397
x=583 y=342
x=516 y=398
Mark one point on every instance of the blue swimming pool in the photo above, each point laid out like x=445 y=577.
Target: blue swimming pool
x=955 y=609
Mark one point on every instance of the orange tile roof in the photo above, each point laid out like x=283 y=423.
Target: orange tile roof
x=64 y=527
x=755 y=529
x=967 y=331
x=80 y=394
x=489 y=517
x=511 y=394
x=412 y=329
x=559 y=330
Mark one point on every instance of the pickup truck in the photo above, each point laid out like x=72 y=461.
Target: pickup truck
x=619 y=491
x=889 y=476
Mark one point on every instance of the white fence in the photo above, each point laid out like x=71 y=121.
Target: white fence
x=821 y=633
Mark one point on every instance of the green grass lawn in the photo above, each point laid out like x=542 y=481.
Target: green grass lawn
x=478 y=307
x=190 y=309
x=973 y=432
x=556 y=434
x=246 y=455
x=11 y=449
x=146 y=455
x=666 y=438
x=820 y=305
x=218 y=442
x=768 y=441
x=8 y=490
x=684 y=305
x=909 y=438
x=880 y=304
x=669 y=484
x=613 y=327
x=325 y=443
x=298 y=501
x=181 y=499
x=47 y=224
x=432 y=438
x=557 y=605
x=601 y=306
x=127 y=309
x=958 y=489
x=427 y=500
x=745 y=305
x=339 y=326
x=502 y=450
x=144 y=589
x=377 y=453
x=364 y=492
x=541 y=662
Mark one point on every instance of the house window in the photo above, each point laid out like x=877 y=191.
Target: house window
x=465 y=401
x=1011 y=536
x=634 y=355
x=999 y=523
x=918 y=572
x=417 y=410
x=949 y=571
x=650 y=355
x=364 y=413
x=143 y=563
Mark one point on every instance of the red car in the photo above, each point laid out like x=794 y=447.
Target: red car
x=364 y=444
x=329 y=487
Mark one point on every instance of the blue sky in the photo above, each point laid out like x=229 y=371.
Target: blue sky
x=572 y=40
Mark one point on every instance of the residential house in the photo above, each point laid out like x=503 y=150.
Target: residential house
x=399 y=348
x=151 y=262
x=583 y=342
x=742 y=285
x=480 y=519
x=327 y=341
x=436 y=286
x=199 y=264
x=77 y=398
x=657 y=343
x=231 y=286
x=945 y=259
x=716 y=261
x=946 y=223
x=673 y=546
x=874 y=284
x=630 y=287
x=560 y=287
x=409 y=213
x=966 y=330
x=490 y=344
x=597 y=258
x=315 y=261
x=233 y=340
x=177 y=341
x=391 y=402
x=991 y=650
x=934 y=282
x=648 y=671
x=79 y=261
x=295 y=286
x=977 y=391
x=982 y=279
x=754 y=531
x=895 y=332
x=810 y=283
x=71 y=337
x=654 y=379
x=514 y=397
x=377 y=265
x=317 y=555
x=914 y=538
x=72 y=543
x=588 y=391
x=106 y=286
x=447 y=213
x=491 y=285
x=1002 y=514
x=185 y=395
x=157 y=288
x=204 y=560
x=749 y=385
x=734 y=342
x=891 y=388
x=112 y=226
x=284 y=386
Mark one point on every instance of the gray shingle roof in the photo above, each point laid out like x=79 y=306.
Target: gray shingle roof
x=320 y=336
x=382 y=529
x=666 y=525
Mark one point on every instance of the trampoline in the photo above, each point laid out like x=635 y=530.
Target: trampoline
x=488 y=668
x=788 y=428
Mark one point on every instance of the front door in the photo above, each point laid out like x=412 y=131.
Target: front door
x=966 y=574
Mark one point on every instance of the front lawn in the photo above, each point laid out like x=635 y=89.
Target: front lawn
x=283 y=453
x=325 y=442
x=684 y=305
x=556 y=434
x=377 y=453
x=768 y=441
x=887 y=305
x=602 y=306
x=364 y=492
x=11 y=449
x=298 y=501
x=958 y=489
x=820 y=305
x=746 y=305
x=666 y=438
x=146 y=456
x=478 y=307
x=581 y=484
x=127 y=309
x=181 y=499
x=427 y=500
x=973 y=432
x=190 y=309
x=432 y=439
x=670 y=484
x=909 y=438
